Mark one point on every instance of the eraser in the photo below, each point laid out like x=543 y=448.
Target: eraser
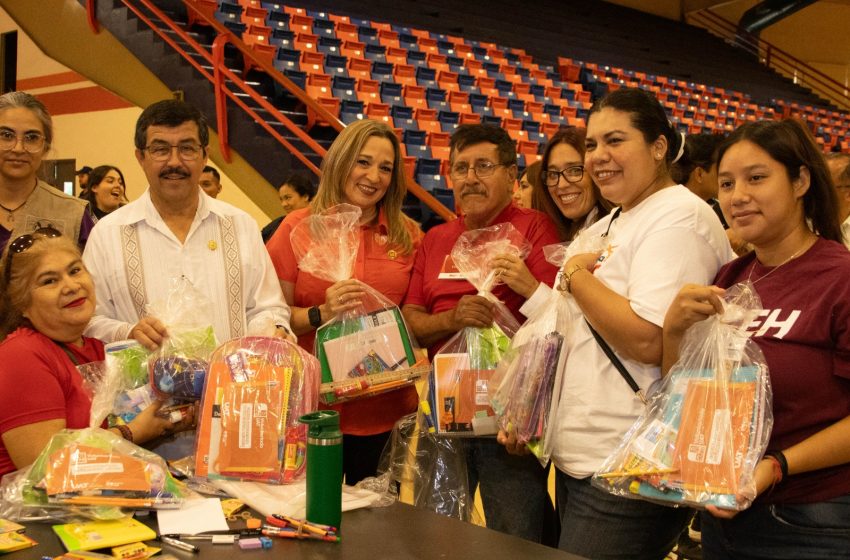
x=266 y=542
x=223 y=539
x=249 y=544
x=253 y=523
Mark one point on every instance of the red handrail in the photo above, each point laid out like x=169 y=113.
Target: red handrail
x=295 y=129
x=221 y=72
x=91 y=16
x=774 y=57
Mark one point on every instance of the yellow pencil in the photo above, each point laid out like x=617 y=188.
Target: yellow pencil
x=648 y=472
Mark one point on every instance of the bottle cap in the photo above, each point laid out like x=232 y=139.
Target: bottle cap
x=322 y=424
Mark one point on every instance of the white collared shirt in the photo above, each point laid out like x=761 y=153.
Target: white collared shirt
x=199 y=259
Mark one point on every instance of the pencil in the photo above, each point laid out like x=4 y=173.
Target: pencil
x=648 y=472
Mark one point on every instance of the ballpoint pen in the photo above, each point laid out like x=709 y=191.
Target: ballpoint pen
x=179 y=544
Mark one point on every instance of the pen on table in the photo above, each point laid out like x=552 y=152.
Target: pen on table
x=179 y=544
x=210 y=534
x=298 y=522
x=293 y=534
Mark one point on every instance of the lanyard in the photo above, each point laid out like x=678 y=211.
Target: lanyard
x=68 y=353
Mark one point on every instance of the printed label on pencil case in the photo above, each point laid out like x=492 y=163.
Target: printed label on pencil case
x=246 y=419
x=721 y=429
x=482 y=397
x=78 y=469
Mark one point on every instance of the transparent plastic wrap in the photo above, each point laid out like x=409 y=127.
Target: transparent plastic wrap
x=464 y=366
x=178 y=368
x=522 y=391
x=256 y=390
x=119 y=385
x=433 y=468
x=707 y=425
x=366 y=350
x=89 y=473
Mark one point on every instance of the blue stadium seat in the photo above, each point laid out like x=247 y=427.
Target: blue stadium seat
x=417 y=58
x=435 y=94
x=407 y=41
x=235 y=27
x=382 y=71
x=428 y=166
x=328 y=45
x=297 y=77
x=335 y=65
x=391 y=93
x=401 y=112
x=414 y=137
x=368 y=35
x=324 y=28
x=376 y=53
x=350 y=111
x=491 y=119
x=433 y=183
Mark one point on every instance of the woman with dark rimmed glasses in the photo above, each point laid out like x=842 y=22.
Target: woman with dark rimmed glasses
x=26 y=202
x=46 y=300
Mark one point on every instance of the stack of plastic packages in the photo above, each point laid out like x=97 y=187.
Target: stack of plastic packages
x=525 y=389
x=362 y=351
x=707 y=426
x=133 y=377
x=464 y=366
x=256 y=390
x=89 y=473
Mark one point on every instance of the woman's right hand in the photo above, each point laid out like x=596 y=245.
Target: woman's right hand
x=148 y=425
x=340 y=297
x=511 y=443
x=693 y=303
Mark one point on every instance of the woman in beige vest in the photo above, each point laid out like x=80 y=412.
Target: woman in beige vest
x=26 y=202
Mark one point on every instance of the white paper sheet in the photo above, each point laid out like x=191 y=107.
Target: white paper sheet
x=196 y=516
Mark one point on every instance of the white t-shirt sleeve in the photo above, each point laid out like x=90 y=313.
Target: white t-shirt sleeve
x=96 y=258
x=665 y=261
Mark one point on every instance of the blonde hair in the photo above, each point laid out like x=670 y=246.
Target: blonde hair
x=341 y=159
x=18 y=280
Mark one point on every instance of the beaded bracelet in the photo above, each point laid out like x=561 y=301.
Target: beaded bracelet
x=126 y=432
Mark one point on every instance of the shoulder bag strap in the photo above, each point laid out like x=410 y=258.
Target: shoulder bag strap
x=617 y=363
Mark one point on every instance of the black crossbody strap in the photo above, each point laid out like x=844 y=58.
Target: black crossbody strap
x=68 y=353
x=617 y=363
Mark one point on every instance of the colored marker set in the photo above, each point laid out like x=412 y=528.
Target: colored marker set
x=287 y=527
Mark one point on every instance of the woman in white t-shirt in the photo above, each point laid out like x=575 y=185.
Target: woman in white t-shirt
x=659 y=238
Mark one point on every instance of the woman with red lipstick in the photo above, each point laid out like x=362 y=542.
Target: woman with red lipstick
x=659 y=237
x=26 y=202
x=776 y=194
x=105 y=192
x=363 y=167
x=47 y=300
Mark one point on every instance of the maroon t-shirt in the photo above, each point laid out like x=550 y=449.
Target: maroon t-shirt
x=437 y=294
x=38 y=382
x=804 y=332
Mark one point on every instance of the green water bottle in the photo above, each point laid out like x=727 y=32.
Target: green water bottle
x=324 y=467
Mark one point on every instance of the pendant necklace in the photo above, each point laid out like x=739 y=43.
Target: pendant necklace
x=772 y=270
x=11 y=211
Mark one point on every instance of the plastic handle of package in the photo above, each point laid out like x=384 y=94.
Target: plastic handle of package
x=324 y=467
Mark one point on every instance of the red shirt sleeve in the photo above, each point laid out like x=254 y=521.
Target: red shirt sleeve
x=280 y=248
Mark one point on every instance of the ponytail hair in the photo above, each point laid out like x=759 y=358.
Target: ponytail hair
x=648 y=116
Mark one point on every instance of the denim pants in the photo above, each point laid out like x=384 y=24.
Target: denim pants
x=599 y=525
x=513 y=488
x=780 y=531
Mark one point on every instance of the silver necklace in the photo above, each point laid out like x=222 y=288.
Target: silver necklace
x=772 y=270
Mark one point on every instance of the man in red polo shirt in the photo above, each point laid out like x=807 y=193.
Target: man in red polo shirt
x=439 y=304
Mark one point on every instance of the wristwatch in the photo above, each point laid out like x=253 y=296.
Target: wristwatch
x=566 y=279
x=315 y=317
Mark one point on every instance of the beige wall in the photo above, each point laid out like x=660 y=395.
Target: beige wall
x=101 y=137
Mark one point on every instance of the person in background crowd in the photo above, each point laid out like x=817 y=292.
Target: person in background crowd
x=295 y=193
x=528 y=180
x=839 y=169
x=776 y=193
x=82 y=175
x=46 y=301
x=565 y=192
x=483 y=173
x=363 y=167
x=26 y=202
x=106 y=192
x=660 y=237
x=210 y=181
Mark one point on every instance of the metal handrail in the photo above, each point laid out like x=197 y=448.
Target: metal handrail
x=221 y=71
x=221 y=90
x=774 y=57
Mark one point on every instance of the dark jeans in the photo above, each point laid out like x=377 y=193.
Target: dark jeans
x=799 y=532
x=513 y=489
x=360 y=456
x=602 y=526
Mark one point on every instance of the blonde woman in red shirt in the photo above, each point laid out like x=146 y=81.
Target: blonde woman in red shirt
x=363 y=167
